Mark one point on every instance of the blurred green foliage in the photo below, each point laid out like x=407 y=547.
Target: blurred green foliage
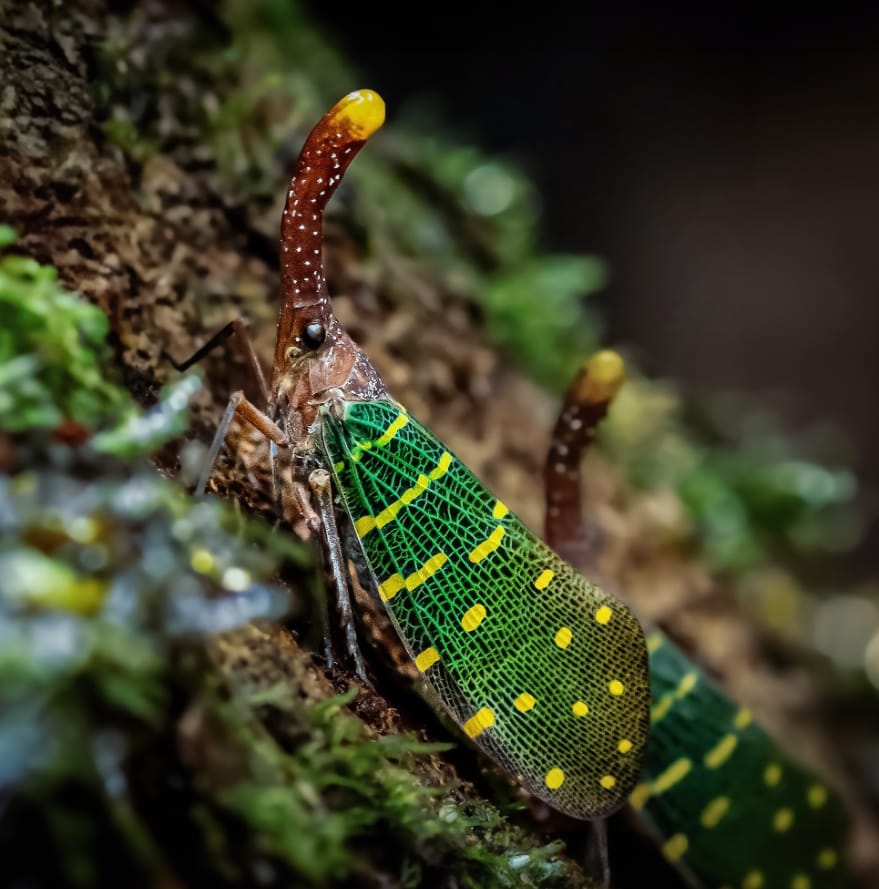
x=53 y=350
x=752 y=496
x=326 y=805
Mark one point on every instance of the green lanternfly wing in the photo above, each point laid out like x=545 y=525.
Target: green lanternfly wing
x=538 y=667
x=731 y=807
x=543 y=670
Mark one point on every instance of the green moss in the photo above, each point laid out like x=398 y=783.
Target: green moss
x=327 y=807
x=753 y=497
x=540 y=304
x=53 y=351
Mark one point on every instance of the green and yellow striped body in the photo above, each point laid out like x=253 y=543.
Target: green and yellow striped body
x=732 y=810
x=545 y=672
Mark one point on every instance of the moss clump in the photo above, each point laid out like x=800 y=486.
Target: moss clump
x=53 y=352
x=754 y=497
x=339 y=806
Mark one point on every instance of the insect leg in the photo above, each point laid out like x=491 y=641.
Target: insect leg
x=303 y=505
x=241 y=331
x=600 y=862
x=584 y=407
x=319 y=482
x=239 y=405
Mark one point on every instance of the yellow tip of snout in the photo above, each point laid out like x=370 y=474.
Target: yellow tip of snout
x=603 y=375
x=362 y=112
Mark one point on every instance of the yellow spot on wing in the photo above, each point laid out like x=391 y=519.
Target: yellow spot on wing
x=782 y=820
x=543 y=580
x=817 y=796
x=580 y=708
x=392 y=430
x=426 y=571
x=624 y=746
x=772 y=774
x=753 y=880
x=674 y=774
x=338 y=467
x=686 y=685
x=608 y=782
x=359 y=448
x=483 y=719
x=390 y=587
x=442 y=467
x=473 y=617
x=563 y=637
x=714 y=811
x=364 y=525
x=554 y=779
x=654 y=642
x=640 y=795
x=603 y=615
x=427 y=659
x=615 y=687
x=721 y=752
x=676 y=847
x=411 y=493
x=367 y=523
x=660 y=710
x=827 y=859
x=500 y=510
x=487 y=547
x=524 y=702
x=743 y=718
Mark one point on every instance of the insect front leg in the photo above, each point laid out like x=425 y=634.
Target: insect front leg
x=242 y=333
x=238 y=404
x=319 y=482
x=321 y=522
x=246 y=410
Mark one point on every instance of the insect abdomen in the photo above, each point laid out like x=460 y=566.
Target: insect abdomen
x=732 y=808
x=540 y=668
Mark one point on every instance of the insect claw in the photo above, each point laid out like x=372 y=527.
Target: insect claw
x=360 y=673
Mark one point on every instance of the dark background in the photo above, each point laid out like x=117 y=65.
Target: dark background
x=724 y=163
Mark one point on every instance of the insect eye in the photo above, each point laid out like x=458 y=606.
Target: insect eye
x=313 y=335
